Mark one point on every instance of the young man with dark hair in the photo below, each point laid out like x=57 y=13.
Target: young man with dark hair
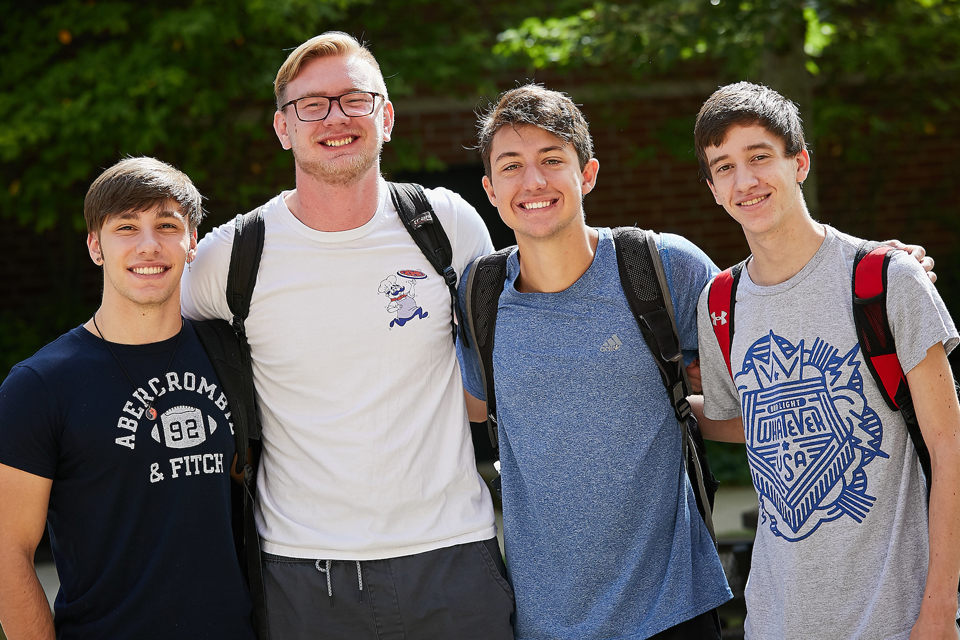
x=119 y=437
x=373 y=518
x=601 y=529
x=846 y=546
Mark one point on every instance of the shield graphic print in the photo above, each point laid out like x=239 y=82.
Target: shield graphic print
x=809 y=433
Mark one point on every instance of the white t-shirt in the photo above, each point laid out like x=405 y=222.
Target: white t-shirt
x=367 y=449
x=842 y=541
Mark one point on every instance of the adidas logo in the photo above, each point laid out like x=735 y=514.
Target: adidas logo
x=612 y=344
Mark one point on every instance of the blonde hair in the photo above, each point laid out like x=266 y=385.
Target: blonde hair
x=331 y=43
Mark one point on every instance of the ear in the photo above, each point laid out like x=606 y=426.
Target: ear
x=280 y=126
x=93 y=247
x=803 y=165
x=589 y=180
x=388 y=120
x=488 y=187
x=192 y=251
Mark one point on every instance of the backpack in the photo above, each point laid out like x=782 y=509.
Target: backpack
x=873 y=334
x=871 y=323
x=227 y=347
x=645 y=286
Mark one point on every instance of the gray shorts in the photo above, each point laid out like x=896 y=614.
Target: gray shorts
x=457 y=592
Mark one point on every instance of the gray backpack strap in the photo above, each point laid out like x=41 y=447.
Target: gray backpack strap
x=644 y=284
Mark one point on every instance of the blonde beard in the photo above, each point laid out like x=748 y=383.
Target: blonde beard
x=340 y=174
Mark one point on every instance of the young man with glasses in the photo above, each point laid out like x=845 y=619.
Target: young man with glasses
x=373 y=519
x=118 y=436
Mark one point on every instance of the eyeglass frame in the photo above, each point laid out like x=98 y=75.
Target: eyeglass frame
x=333 y=99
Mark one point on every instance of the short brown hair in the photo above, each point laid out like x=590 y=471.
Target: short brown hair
x=331 y=43
x=535 y=105
x=140 y=184
x=746 y=104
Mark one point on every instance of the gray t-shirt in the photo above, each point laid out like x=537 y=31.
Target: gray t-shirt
x=841 y=547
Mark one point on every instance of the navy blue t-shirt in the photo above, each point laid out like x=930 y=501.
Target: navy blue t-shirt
x=139 y=513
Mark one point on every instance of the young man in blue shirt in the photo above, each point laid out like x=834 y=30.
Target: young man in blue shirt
x=601 y=530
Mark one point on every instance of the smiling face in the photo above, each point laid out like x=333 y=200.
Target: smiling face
x=143 y=254
x=536 y=183
x=757 y=183
x=339 y=149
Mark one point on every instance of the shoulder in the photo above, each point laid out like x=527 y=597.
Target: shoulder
x=65 y=353
x=447 y=201
x=56 y=365
x=681 y=250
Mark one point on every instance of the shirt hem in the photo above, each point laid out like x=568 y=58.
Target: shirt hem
x=377 y=554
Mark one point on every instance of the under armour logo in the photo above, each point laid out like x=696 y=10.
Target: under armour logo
x=719 y=319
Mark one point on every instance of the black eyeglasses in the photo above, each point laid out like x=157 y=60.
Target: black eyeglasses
x=353 y=104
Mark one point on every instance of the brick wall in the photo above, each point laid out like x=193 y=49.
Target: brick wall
x=909 y=189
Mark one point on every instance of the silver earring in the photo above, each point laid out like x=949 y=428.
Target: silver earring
x=188 y=266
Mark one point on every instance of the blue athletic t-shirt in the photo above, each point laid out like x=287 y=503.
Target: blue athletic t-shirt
x=601 y=529
x=139 y=513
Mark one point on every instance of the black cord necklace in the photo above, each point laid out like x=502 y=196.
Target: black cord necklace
x=150 y=412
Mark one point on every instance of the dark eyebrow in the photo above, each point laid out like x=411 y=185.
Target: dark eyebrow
x=515 y=154
x=163 y=213
x=752 y=147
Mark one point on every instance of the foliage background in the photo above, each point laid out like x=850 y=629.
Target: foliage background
x=85 y=82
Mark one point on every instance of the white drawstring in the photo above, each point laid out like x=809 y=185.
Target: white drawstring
x=326 y=570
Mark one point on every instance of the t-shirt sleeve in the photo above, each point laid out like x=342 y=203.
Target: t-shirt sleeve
x=720 y=398
x=29 y=424
x=203 y=291
x=918 y=317
x=464 y=227
x=469 y=361
x=688 y=270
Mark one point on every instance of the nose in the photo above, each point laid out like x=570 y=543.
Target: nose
x=336 y=114
x=746 y=179
x=148 y=242
x=533 y=178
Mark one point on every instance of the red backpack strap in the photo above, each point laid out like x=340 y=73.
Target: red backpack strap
x=721 y=300
x=873 y=326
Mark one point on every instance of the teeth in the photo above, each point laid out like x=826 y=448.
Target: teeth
x=537 y=205
x=148 y=271
x=338 y=143
x=754 y=201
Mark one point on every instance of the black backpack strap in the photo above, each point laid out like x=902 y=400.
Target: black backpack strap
x=644 y=284
x=421 y=222
x=244 y=264
x=484 y=286
x=876 y=341
x=241 y=280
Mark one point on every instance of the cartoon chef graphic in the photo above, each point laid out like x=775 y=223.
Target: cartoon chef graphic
x=402 y=297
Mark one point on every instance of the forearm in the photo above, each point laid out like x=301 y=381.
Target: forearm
x=720 y=430
x=943 y=568
x=24 y=611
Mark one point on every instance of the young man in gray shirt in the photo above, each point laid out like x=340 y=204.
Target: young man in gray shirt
x=846 y=546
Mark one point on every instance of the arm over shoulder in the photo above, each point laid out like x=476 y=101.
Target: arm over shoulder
x=469 y=362
x=918 y=317
x=203 y=289
x=688 y=270
x=463 y=225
